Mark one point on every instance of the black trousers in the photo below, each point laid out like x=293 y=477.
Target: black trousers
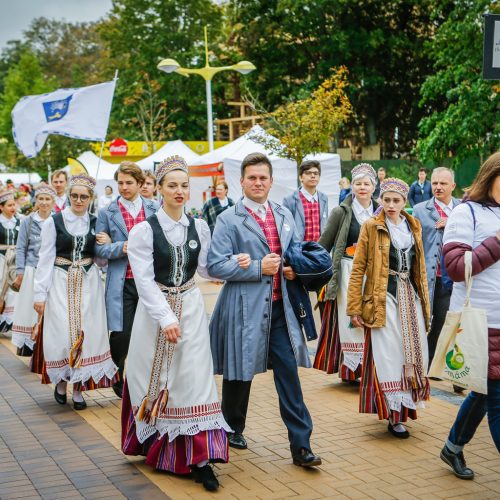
x=440 y=306
x=119 y=341
x=294 y=413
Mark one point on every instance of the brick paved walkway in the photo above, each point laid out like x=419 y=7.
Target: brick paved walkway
x=360 y=458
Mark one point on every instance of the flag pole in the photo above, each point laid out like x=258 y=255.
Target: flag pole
x=102 y=143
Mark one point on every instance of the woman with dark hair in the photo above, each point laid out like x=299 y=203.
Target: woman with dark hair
x=387 y=295
x=171 y=411
x=215 y=206
x=68 y=292
x=474 y=226
x=9 y=231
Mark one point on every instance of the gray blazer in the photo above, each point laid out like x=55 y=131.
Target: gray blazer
x=294 y=204
x=28 y=244
x=241 y=322
x=110 y=221
x=432 y=238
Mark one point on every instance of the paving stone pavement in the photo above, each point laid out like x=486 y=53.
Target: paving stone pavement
x=49 y=451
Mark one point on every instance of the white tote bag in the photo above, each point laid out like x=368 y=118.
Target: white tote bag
x=462 y=349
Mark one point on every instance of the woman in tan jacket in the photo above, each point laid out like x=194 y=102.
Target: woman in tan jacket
x=393 y=307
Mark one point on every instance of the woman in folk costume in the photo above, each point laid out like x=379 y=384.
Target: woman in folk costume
x=27 y=250
x=69 y=292
x=215 y=206
x=388 y=296
x=171 y=411
x=9 y=231
x=340 y=347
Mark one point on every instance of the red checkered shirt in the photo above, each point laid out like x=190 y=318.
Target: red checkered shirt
x=270 y=231
x=442 y=215
x=312 y=219
x=130 y=222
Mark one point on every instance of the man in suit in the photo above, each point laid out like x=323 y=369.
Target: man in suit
x=420 y=190
x=309 y=206
x=253 y=323
x=113 y=227
x=433 y=215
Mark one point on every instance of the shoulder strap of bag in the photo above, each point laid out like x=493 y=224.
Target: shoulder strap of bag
x=468 y=276
x=473 y=214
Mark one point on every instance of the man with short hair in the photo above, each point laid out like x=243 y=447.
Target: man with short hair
x=113 y=226
x=253 y=324
x=381 y=173
x=420 y=190
x=59 y=182
x=148 y=189
x=309 y=206
x=433 y=215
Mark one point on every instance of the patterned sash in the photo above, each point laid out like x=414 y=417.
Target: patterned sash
x=156 y=400
x=413 y=377
x=75 y=291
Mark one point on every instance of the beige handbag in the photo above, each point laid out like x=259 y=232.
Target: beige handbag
x=462 y=349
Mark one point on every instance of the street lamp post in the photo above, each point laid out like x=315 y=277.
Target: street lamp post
x=207 y=73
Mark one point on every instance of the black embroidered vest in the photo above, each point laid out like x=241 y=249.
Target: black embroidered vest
x=9 y=236
x=174 y=265
x=399 y=263
x=74 y=247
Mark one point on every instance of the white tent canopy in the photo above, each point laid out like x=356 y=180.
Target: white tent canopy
x=284 y=170
x=169 y=149
x=103 y=172
x=21 y=178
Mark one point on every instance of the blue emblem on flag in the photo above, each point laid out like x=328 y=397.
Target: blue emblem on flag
x=55 y=110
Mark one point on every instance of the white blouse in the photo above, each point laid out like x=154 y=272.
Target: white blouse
x=76 y=225
x=361 y=213
x=8 y=223
x=140 y=255
x=400 y=234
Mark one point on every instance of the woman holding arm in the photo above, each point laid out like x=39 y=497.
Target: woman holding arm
x=388 y=296
x=340 y=348
x=27 y=250
x=171 y=411
x=69 y=292
x=475 y=226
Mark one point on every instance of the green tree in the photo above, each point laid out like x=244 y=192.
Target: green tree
x=295 y=43
x=461 y=109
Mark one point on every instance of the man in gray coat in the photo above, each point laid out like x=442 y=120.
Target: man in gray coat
x=253 y=324
x=433 y=215
x=309 y=206
x=112 y=229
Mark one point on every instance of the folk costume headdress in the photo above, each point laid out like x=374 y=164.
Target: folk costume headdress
x=395 y=186
x=83 y=180
x=363 y=170
x=6 y=196
x=45 y=190
x=169 y=165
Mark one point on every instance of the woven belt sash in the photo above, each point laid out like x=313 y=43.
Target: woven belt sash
x=10 y=251
x=75 y=291
x=156 y=401
x=413 y=377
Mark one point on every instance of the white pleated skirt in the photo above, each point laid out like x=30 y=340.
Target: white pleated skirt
x=25 y=316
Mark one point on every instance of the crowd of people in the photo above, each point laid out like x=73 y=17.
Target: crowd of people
x=393 y=277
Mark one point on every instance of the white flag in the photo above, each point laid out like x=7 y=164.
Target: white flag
x=79 y=113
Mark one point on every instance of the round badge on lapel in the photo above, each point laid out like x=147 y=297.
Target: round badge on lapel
x=286 y=227
x=193 y=244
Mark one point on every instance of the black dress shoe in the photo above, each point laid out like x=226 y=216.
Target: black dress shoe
x=118 y=389
x=206 y=476
x=237 y=440
x=79 y=405
x=457 y=462
x=60 y=398
x=401 y=435
x=306 y=458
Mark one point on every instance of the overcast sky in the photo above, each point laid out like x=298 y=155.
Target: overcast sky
x=16 y=15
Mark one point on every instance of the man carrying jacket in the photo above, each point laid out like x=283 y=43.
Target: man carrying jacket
x=253 y=323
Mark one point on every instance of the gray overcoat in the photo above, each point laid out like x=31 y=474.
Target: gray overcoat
x=110 y=221
x=294 y=204
x=240 y=324
x=432 y=238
